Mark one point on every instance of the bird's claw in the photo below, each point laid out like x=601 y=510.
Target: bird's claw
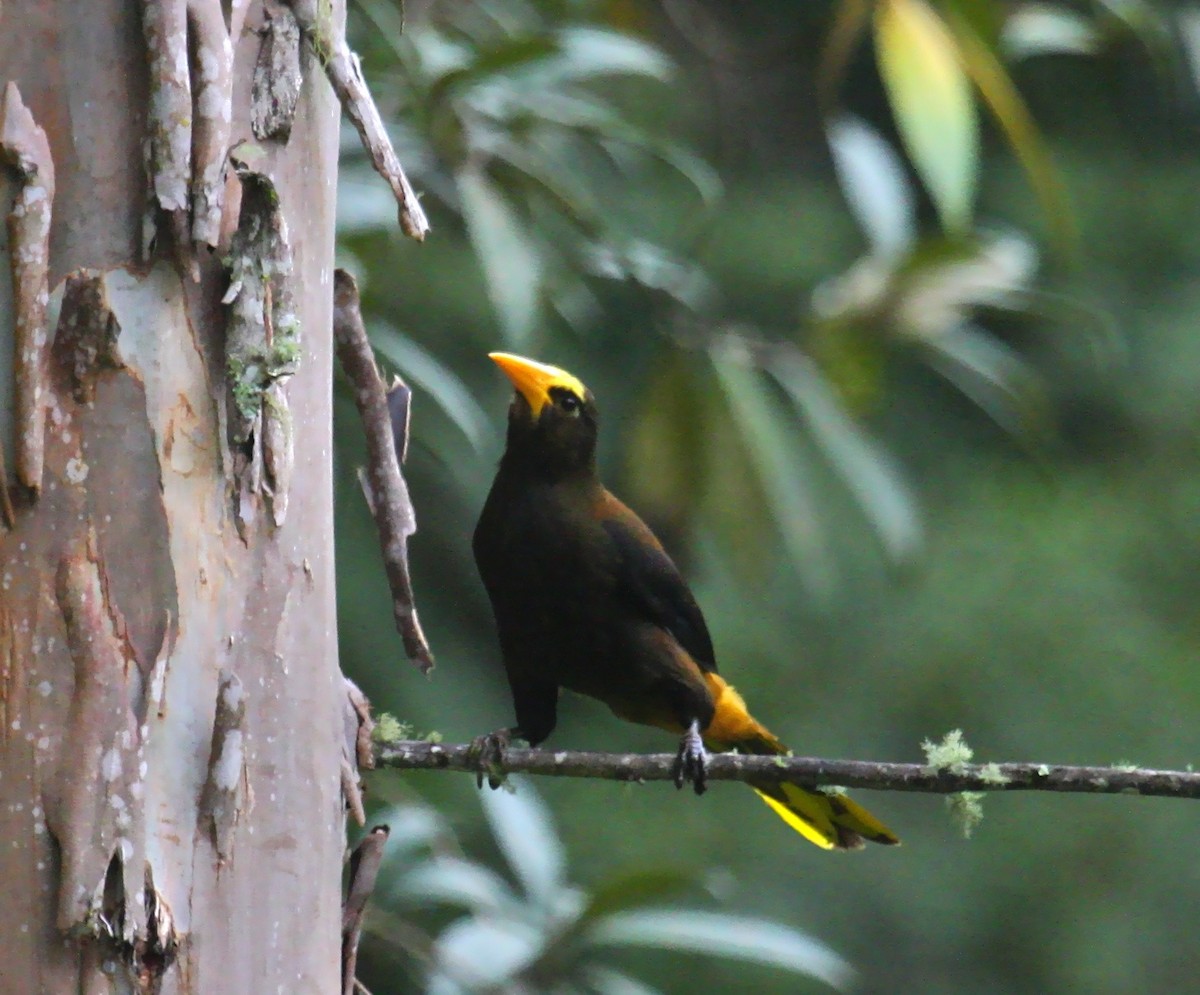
x=691 y=763
x=487 y=755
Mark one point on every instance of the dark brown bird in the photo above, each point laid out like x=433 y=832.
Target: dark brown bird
x=585 y=598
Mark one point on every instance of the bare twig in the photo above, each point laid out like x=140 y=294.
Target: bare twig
x=364 y=869
x=812 y=771
x=345 y=74
x=388 y=495
x=25 y=149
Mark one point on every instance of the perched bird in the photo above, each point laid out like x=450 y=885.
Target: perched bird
x=585 y=598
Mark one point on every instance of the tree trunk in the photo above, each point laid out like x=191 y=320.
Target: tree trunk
x=171 y=816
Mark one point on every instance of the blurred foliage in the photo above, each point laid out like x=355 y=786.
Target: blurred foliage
x=538 y=931
x=907 y=389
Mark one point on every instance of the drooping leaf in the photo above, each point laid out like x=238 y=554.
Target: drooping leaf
x=996 y=378
x=1000 y=94
x=715 y=935
x=585 y=52
x=637 y=888
x=778 y=463
x=476 y=954
x=866 y=469
x=525 y=833
x=452 y=881
x=512 y=267
x=932 y=103
x=873 y=181
x=609 y=981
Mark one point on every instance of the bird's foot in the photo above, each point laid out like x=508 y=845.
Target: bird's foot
x=487 y=755
x=691 y=763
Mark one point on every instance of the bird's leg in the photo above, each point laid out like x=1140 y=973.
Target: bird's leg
x=487 y=754
x=691 y=763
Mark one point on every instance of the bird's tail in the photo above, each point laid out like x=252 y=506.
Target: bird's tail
x=831 y=821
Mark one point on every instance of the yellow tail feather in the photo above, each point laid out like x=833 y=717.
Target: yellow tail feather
x=833 y=821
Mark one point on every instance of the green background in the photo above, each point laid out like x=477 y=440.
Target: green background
x=1049 y=613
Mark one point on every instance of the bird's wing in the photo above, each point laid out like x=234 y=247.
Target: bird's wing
x=649 y=580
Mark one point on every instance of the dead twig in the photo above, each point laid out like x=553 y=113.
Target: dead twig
x=387 y=492
x=345 y=75
x=364 y=869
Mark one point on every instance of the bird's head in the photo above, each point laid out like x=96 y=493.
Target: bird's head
x=553 y=419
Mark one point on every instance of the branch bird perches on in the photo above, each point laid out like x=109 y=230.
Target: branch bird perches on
x=808 y=771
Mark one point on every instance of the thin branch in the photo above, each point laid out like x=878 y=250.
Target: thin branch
x=387 y=492
x=345 y=74
x=811 y=771
x=364 y=869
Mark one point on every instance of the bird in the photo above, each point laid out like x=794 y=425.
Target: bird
x=585 y=598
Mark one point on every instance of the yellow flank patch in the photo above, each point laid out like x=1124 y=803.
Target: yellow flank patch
x=732 y=724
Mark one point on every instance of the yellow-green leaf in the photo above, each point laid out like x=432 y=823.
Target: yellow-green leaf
x=932 y=103
x=1000 y=94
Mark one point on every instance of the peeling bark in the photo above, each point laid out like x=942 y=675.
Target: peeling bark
x=85 y=342
x=25 y=149
x=125 y=589
x=213 y=92
x=262 y=350
x=277 y=75
x=169 y=124
x=93 y=809
x=224 y=790
x=357 y=750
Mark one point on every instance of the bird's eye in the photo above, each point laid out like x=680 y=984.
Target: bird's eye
x=569 y=403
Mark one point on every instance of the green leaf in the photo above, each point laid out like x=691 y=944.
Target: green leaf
x=778 y=464
x=628 y=891
x=711 y=934
x=872 y=179
x=453 y=881
x=1000 y=94
x=1042 y=29
x=931 y=100
x=865 y=468
x=525 y=833
x=512 y=268
x=609 y=981
x=481 y=954
x=589 y=52
x=994 y=376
